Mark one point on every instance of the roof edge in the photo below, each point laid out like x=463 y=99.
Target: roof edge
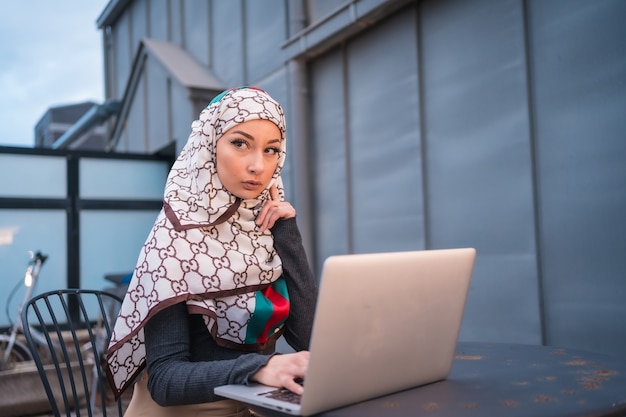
x=181 y=65
x=111 y=12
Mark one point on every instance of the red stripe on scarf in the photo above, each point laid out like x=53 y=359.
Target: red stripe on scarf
x=280 y=313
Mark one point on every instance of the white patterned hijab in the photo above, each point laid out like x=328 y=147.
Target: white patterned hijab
x=205 y=248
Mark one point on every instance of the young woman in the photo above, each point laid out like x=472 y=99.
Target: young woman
x=222 y=274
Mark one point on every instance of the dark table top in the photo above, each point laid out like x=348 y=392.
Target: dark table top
x=495 y=379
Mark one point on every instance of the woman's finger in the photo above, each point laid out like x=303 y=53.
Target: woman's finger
x=274 y=192
x=273 y=210
x=268 y=207
x=293 y=386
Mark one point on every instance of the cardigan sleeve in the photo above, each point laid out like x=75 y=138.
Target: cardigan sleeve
x=179 y=373
x=301 y=283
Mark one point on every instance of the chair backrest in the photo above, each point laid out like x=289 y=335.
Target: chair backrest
x=68 y=332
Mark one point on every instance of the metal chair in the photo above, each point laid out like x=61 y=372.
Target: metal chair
x=76 y=326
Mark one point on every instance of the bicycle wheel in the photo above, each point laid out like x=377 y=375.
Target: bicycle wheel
x=19 y=353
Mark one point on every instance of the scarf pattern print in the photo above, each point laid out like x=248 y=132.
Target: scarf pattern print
x=206 y=250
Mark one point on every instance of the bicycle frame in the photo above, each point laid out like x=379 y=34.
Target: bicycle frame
x=30 y=279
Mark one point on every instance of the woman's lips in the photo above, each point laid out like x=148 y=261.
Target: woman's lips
x=251 y=185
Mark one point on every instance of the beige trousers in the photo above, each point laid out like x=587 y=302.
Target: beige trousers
x=142 y=405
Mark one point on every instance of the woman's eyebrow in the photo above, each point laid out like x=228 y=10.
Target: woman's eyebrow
x=250 y=137
x=241 y=132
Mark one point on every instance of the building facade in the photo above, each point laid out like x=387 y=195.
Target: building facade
x=496 y=124
x=58 y=123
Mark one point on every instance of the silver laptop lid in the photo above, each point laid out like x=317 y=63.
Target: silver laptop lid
x=385 y=322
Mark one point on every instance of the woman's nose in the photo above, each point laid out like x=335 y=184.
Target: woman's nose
x=256 y=163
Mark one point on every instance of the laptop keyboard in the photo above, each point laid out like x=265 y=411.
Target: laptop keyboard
x=283 y=394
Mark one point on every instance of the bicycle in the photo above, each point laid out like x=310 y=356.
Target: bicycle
x=51 y=346
x=13 y=350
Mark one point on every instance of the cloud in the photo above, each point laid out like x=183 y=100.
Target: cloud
x=51 y=55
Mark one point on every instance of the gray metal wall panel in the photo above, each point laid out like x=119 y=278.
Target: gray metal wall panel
x=480 y=190
x=135 y=132
x=122 y=55
x=328 y=149
x=175 y=19
x=385 y=163
x=138 y=24
x=158 y=20
x=227 y=39
x=579 y=73
x=196 y=30
x=317 y=9
x=266 y=27
x=157 y=130
x=182 y=114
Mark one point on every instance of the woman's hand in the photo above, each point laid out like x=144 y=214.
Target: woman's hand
x=274 y=209
x=282 y=370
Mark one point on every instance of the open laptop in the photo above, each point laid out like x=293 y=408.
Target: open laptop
x=384 y=322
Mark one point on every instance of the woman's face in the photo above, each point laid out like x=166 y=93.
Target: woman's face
x=247 y=156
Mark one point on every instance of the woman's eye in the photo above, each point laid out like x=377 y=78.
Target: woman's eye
x=273 y=151
x=239 y=143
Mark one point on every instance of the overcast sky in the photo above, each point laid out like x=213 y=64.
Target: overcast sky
x=50 y=55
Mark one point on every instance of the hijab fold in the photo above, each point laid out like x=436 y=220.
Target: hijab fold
x=205 y=248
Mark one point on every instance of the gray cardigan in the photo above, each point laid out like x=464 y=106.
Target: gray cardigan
x=183 y=361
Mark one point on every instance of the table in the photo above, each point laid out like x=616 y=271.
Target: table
x=496 y=379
